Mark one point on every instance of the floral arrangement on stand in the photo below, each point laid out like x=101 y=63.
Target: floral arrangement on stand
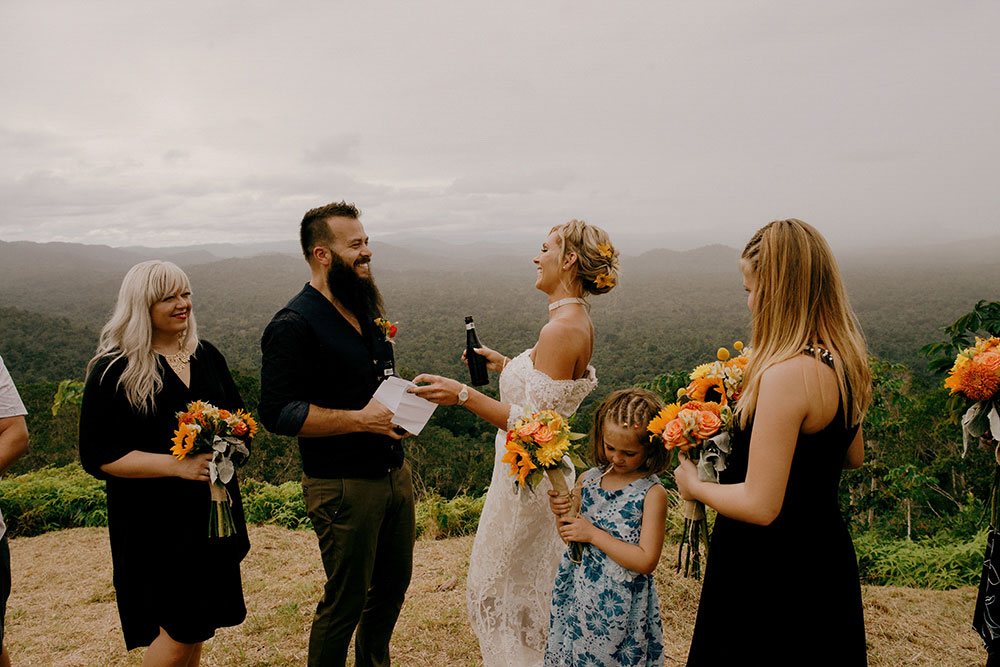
x=204 y=428
x=699 y=424
x=537 y=445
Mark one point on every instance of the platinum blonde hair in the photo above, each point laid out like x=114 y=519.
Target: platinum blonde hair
x=129 y=332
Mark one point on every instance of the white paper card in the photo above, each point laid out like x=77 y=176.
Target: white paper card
x=409 y=410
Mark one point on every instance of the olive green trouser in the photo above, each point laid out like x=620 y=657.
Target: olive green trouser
x=366 y=529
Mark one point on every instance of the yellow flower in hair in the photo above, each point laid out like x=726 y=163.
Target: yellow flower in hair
x=604 y=280
x=605 y=250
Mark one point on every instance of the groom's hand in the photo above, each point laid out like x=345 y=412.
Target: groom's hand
x=376 y=418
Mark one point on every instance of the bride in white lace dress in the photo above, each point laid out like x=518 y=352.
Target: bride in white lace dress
x=517 y=548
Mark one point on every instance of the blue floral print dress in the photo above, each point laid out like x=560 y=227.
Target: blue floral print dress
x=602 y=613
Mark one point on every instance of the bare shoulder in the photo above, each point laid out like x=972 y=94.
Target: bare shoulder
x=805 y=385
x=656 y=493
x=787 y=375
x=560 y=346
x=784 y=383
x=562 y=332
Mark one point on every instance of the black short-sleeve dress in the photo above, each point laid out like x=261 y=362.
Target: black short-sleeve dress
x=167 y=572
x=787 y=593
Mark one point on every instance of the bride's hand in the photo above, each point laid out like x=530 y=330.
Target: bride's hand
x=494 y=360
x=440 y=390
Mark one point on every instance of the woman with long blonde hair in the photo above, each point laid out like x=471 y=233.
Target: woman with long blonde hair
x=781 y=584
x=174 y=585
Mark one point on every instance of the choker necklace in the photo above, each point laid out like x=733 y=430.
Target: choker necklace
x=177 y=361
x=563 y=302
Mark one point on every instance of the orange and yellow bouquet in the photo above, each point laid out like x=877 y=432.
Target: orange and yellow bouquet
x=976 y=376
x=204 y=428
x=699 y=424
x=537 y=445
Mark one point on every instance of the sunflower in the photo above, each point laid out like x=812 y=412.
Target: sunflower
x=249 y=421
x=183 y=441
x=520 y=462
x=699 y=388
x=660 y=421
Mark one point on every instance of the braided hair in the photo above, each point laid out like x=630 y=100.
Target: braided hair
x=631 y=409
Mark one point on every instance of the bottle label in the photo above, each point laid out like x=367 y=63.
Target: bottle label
x=470 y=325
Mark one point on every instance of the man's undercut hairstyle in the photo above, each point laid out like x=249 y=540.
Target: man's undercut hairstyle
x=314 y=231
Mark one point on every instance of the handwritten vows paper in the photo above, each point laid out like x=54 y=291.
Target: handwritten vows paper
x=409 y=410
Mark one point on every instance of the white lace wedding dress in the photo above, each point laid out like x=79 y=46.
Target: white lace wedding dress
x=517 y=549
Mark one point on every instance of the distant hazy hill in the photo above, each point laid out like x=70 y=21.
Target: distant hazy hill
x=671 y=309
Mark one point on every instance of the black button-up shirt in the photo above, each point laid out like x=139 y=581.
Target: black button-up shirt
x=313 y=356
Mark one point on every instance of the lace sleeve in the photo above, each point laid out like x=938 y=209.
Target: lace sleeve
x=544 y=393
x=516 y=412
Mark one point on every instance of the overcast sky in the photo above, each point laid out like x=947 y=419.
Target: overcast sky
x=671 y=124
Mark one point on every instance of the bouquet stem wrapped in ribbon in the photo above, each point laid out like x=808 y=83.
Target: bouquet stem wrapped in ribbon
x=699 y=425
x=537 y=445
x=204 y=428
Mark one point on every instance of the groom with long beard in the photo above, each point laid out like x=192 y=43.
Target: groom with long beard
x=323 y=358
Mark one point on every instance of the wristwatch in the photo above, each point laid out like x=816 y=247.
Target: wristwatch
x=463 y=395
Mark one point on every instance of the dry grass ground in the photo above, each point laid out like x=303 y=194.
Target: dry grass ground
x=62 y=610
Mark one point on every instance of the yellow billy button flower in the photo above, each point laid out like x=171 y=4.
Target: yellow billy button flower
x=722 y=354
x=738 y=345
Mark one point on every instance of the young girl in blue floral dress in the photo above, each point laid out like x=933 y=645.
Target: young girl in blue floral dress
x=604 y=609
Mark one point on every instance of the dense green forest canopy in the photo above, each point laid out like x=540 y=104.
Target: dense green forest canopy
x=671 y=311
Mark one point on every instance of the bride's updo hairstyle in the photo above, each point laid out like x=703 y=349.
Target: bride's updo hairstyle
x=129 y=332
x=799 y=299
x=597 y=259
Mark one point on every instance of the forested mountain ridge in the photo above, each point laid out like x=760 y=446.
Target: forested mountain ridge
x=671 y=310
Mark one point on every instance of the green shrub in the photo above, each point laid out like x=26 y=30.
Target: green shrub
x=937 y=563
x=52 y=498
x=438 y=518
x=281 y=505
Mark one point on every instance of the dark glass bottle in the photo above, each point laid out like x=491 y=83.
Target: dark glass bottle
x=477 y=362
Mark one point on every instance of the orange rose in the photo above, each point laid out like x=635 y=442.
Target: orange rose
x=528 y=429
x=708 y=424
x=544 y=435
x=673 y=434
x=240 y=429
x=990 y=360
x=224 y=414
x=187 y=418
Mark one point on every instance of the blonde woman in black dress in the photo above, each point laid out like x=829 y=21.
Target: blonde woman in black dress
x=174 y=585
x=781 y=585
